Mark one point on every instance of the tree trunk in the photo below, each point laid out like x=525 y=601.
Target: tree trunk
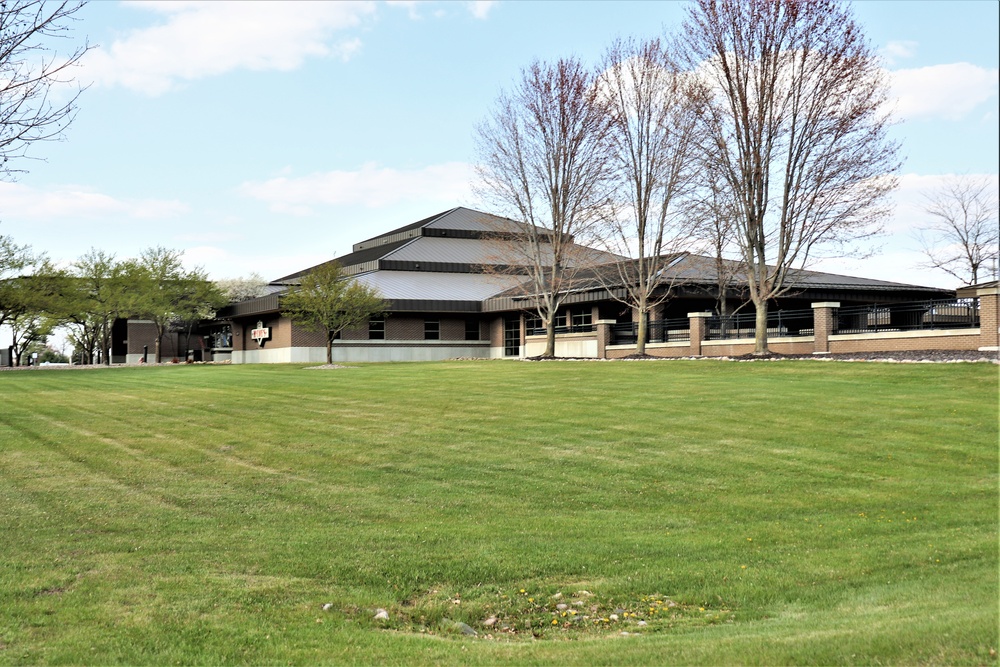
x=760 y=335
x=550 y=338
x=329 y=349
x=640 y=341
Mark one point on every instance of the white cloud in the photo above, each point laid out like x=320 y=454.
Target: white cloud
x=371 y=187
x=910 y=198
x=898 y=50
x=481 y=8
x=199 y=40
x=409 y=5
x=70 y=202
x=943 y=91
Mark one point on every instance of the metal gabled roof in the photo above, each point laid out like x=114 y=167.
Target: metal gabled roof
x=420 y=285
x=444 y=249
x=347 y=261
x=467 y=219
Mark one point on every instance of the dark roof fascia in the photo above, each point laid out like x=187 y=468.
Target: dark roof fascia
x=406 y=232
x=432 y=306
x=421 y=228
x=447 y=267
x=355 y=262
x=517 y=302
x=260 y=306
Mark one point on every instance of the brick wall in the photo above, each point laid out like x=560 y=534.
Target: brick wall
x=496 y=332
x=305 y=338
x=452 y=329
x=930 y=340
x=401 y=327
x=139 y=334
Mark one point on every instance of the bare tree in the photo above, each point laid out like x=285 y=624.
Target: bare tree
x=543 y=161
x=794 y=120
x=713 y=214
x=964 y=238
x=650 y=107
x=29 y=69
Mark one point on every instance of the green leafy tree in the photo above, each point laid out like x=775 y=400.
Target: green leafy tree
x=47 y=354
x=166 y=293
x=104 y=291
x=32 y=302
x=198 y=299
x=14 y=261
x=329 y=301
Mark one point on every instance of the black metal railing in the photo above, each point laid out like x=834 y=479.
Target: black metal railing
x=569 y=328
x=744 y=325
x=657 y=331
x=910 y=316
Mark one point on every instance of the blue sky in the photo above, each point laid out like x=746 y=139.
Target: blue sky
x=269 y=137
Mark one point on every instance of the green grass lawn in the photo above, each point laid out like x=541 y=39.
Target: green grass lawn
x=717 y=512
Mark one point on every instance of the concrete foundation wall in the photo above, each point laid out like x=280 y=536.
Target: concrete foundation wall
x=567 y=345
x=371 y=351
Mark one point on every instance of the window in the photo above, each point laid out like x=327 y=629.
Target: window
x=432 y=330
x=533 y=325
x=581 y=317
x=471 y=329
x=511 y=336
x=376 y=329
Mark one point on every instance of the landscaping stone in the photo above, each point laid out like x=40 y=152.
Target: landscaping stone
x=381 y=615
x=466 y=629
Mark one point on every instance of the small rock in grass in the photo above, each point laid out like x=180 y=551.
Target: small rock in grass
x=562 y=606
x=613 y=617
x=328 y=606
x=381 y=615
x=577 y=603
x=641 y=624
x=557 y=596
x=490 y=622
x=466 y=630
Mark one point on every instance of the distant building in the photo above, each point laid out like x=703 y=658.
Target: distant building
x=452 y=293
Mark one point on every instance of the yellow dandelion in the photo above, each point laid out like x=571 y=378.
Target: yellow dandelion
x=555 y=622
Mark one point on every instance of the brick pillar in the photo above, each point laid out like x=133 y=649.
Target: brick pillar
x=823 y=320
x=603 y=337
x=696 y=324
x=989 y=323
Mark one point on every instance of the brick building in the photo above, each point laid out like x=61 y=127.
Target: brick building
x=454 y=292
